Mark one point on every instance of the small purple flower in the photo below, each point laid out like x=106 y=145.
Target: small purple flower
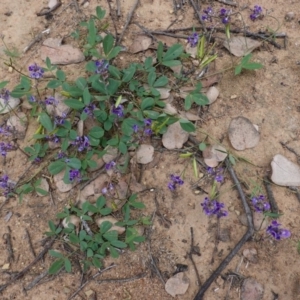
x=89 y=109
x=108 y=190
x=74 y=174
x=6 y=185
x=37 y=160
x=276 y=232
x=118 y=111
x=61 y=155
x=225 y=15
x=147 y=122
x=31 y=99
x=51 y=101
x=35 y=71
x=135 y=128
x=4 y=147
x=60 y=120
x=5 y=130
x=82 y=142
x=193 y=39
x=110 y=165
x=213 y=207
x=260 y=204
x=256 y=13
x=101 y=66
x=4 y=181
x=175 y=180
x=53 y=138
x=4 y=94
x=148 y=132
x=217 y=174
x=208 y=13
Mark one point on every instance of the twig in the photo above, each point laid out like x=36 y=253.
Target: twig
x=36 y=280
x=179 y=36
x=7 y=241
x=296 y=190
x=110 y=13
x=46 y=11
x=190 y=254
x=273 y=204
x=36 y=39
x=146 y=31
x=86 y=227
x=25 y=270
x=75 y=4
x=92 y=179
x=129 y=17
x=90 y=279
x=284 y=145
x=139 y=276
x=238 y=246
x=227 y=2
x=118 y=8
x=30 y=243
x=198 y=15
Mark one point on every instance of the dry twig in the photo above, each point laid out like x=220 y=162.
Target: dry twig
x=30 y=243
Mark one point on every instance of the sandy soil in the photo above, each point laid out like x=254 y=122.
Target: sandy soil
x=268 y=97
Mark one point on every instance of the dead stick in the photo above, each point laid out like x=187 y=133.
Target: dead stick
x=146 y=31
x=49 y=10
x=239 y=245
x=7 y=240
x=30 y=243
x=110 y=13
x=129 y=17
x=90 y=279
x=139 y=276
x=190 y=254
x=75 y=3
x=273 y=204
x=118 y=8
x=36 y=280
x=25 y=270
x=227 y=2
x=198 y=14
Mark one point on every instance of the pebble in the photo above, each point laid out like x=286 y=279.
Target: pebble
x=177 y=285
x=290 y=16
x=212 y=94
x=5 y=108
x=251 y=290
x=285 y=172
x=144 y=154
x=251 y=255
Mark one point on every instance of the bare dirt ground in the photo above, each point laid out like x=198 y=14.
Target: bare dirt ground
x=268 y=97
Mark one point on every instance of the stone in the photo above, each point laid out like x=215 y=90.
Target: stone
x=242 y=134
x=251 y=255
x=140 y=43
x=10 y=105
x=144 y=154
x=112 y=220
x=52 y=3
x=170 y=109
x=290 y=16
x=111 y=154
x=177 y=285
x=60 y=109
x=61 y=55
x=285 y=172
x=99 y=163
x=19 y=124
x=61 y=186
x=251 y=290
x=212 y=94
x=44 y=185
x=174 y=137
x=164 y=93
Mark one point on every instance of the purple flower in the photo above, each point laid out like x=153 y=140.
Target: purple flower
x=208 y=13
x=256 y=13
x=53 y=138
x=110 y=165
x=82 y=142
x=175 y=180
x=108 y=190
x=37 y=160
x=118 y=111
x=89 y=109
x=193 y=39
x=135 y=128
x=148 y=132
x=217 y=174
x=74 y=174
x=147 y=122
x=213 y=207
x=31 y=99
x=4 y=94
x=225 y=15
x=6 y=185
x=260 y=204
x=276 y=232
x=51 y=101
x=5 y=130
x=35 y=71
x=101 y=66
x=60 y=120
x=4 y=181
x=61 y=154
x=4 y=147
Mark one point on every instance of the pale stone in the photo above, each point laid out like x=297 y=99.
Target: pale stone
x=61 y=186
x=212 y=94
x=174 y=137
x=251 y=290
x=285 y=172
x=144 y=154
x=10 y=105
x=177 y=285
x=19 y=124
x=112 y=220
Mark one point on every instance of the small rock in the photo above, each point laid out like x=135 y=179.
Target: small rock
x=251 y=290
x=242 y=134
x=170 y=109
x=111 y=154
x=11 y=104
x=213 y=155
x=61 y=186
x=80 y=128
x=164 y=93
x=66 y=290
x=44 y=185
x=191 y=50
x=285 y=172
x=174 y=137
x=180 y=18
x=212 y=94
x=99 y=163
x=140 y=43
x=52 y=3
x=86 y=4
x=290 y=16
x=177 y=285
x=243 y=219
x=8 y=216
x=60 y=109
x=19 y=124
x=6 y=266
x=112 y=220
x=251 y=255
x=62 y=55
x=240 y=45
x=176 y=69
x=144 y=154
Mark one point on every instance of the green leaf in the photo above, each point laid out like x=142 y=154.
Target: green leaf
x=148 y=62
x=160 y=51
x=138 y=205
x=55 y=254
x=231 y=159
x=187 y=125
x=272 y=215
x=113 y=86
x=105 y=211
x=111 y=235
x=60 y=75
x=74 y=163
x=188 y=101
x=161 y=81
x=123 y=148
x=202 y=146
x=105 y=226
x=46 y=121
x=53 y=84
x=113 y=252
x=100 y=12
x=3 y=84
x=75 y=104
x=86 y=96
x=68 y=266
x=41 y=191
x=118 y=244
x=108 y=43
x=151 y=78
x=74 y=238
x=56 y=167
x=128 y=73
x=200 y=99
x=96 y=262
x=238 y=70
x=81 y=83
x=173 y=52
x=56 y=266
x=89 y=252
x=147 y=103
x=51 y=226
x=114 y=52
x=171 y=63
x=100 y=202
x=252 y=66
x=73 y=91
x=92 y=32
x=115 y=72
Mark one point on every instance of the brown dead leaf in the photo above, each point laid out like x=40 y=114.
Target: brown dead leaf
x=240 y=46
